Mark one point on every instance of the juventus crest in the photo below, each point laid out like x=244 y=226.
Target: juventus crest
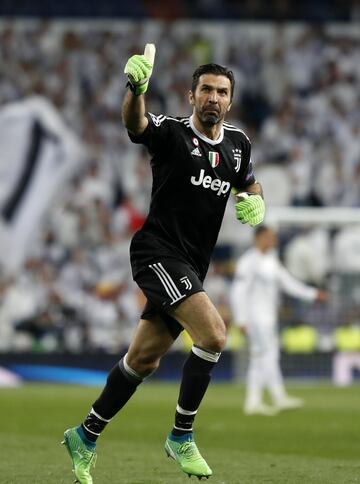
x=237 y=158
x=185 y=280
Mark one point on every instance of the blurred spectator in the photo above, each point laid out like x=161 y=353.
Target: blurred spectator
x=347 y=265
x=347 y=250
x=347 y=342
x=307 y=256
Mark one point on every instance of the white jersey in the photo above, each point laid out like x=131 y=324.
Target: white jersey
x=259 y=279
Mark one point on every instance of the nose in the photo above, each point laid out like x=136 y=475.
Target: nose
x=213 y=97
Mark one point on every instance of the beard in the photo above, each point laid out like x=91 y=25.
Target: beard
x=210 y=118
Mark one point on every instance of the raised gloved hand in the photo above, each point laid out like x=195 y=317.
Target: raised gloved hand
x=138 y=70
x=250 y=209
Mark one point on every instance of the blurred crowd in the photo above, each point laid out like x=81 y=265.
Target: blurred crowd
x=319 y=11
x=297 y=96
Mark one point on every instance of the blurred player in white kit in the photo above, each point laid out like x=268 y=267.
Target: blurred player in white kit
x=258 y=280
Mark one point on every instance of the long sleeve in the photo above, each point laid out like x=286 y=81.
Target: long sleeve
x=294 y=287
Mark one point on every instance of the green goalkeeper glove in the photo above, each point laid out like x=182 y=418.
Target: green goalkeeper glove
x=138 y=70
x=250 y=209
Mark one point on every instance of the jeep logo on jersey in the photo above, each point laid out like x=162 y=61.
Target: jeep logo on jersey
x=214 y=158
x=219 y=186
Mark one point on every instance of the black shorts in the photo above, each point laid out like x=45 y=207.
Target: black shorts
x=166 y=282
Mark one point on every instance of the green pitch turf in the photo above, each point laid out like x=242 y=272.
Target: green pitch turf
x=319 y=444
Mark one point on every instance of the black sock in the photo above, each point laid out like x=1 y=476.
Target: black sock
x=195 y=380
x=121 y=384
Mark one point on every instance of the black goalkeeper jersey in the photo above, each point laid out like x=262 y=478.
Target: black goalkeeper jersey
x=192 y=179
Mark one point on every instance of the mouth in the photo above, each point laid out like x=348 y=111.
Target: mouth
x=211 y=111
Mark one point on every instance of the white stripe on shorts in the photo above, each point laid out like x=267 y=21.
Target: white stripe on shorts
x=171 y=282
x=167 y=282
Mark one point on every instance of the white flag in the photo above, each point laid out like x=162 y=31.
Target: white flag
x=38 y=153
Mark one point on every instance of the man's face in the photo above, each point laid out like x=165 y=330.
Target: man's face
x=267 y=240
x=212 y=98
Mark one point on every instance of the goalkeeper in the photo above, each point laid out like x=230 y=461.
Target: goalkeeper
x=196 y=161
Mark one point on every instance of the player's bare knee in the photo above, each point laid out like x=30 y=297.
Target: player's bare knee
x=218 y=344
x=220 y=337
x=214 y=342
x=144 y=366
x=151 y=366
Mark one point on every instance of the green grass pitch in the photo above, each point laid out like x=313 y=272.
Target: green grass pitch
x=319 y=444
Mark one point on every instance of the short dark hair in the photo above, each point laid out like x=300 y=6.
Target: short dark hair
x=215 y=69
x=260 y=229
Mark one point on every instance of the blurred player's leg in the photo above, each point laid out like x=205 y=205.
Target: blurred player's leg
x=256 y=373
x=274 y=379
x=254 y=385
x=254 y=404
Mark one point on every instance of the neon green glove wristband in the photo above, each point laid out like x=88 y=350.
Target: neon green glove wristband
x=250 y=210
x=138 y=70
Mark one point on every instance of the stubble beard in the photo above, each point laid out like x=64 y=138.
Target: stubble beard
x=210 y=120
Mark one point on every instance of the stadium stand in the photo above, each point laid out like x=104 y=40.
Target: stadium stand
x=297 y=97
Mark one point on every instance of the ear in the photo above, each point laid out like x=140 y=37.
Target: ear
x=191 y=98
x=229 y=107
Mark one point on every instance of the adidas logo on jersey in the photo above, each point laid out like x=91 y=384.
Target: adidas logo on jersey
x=196 y=152
x=221 y=187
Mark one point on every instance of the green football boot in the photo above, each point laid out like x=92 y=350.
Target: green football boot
x=82 y=457
x=187 y=455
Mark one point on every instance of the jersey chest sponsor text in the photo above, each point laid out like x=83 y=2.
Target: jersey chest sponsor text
x=221 y=187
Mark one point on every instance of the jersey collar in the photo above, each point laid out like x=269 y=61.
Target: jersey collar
x=205 y=138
